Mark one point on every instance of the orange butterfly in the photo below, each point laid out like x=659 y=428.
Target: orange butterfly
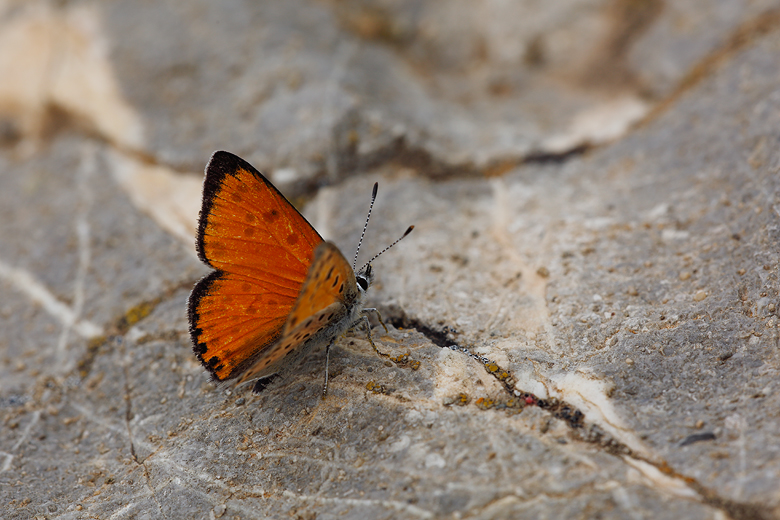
x=278 y=288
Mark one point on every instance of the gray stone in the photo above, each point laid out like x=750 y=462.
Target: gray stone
x=596 y=333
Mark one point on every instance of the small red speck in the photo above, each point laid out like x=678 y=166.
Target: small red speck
x=529 y=400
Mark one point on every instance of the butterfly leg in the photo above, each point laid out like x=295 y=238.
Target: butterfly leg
x=327 y=362
x=367 y=324
x=378 y=316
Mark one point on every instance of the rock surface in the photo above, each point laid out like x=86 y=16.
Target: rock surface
x=592 y=303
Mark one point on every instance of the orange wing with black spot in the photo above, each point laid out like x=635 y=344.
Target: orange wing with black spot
x=261 y=249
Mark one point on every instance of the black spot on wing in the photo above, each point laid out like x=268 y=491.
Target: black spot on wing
x=200 y=349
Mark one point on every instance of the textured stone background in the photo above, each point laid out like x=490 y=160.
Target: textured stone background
x=595 y=190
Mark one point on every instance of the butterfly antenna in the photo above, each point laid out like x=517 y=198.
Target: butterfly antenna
x=360 y=242
x=408 y=230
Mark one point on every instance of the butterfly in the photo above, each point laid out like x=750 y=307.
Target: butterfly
x=277 y=290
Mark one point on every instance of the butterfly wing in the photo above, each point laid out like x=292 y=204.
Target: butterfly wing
x=321 y=311
x=330 y=279
x=261 y=249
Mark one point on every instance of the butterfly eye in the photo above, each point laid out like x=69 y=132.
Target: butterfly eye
x=362 y=282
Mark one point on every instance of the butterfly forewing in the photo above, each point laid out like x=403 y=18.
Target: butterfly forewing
x=262 y=248
x=247 y=227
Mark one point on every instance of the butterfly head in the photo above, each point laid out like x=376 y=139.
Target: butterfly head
x=365 y=278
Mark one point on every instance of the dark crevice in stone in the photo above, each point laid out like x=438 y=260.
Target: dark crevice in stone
x=398 y=152
x=401 y=153
x=556 y=158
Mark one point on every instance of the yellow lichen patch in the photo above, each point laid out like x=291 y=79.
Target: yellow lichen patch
x=496 y=371
x=485 y=403
x=400 y=358
x=95 y=342
x=136 y=314
x=406 y=360
x=461 y=399
x=376 y=388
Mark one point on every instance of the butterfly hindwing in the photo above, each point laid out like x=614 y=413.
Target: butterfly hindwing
x=330 y=279
x=312 y=331
x=261 y=248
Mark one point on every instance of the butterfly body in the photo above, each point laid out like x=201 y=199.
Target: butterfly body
x=278 y=289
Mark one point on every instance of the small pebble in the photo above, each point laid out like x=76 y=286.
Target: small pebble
x=699 y=296
x=685 y=275
x=629 y=361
